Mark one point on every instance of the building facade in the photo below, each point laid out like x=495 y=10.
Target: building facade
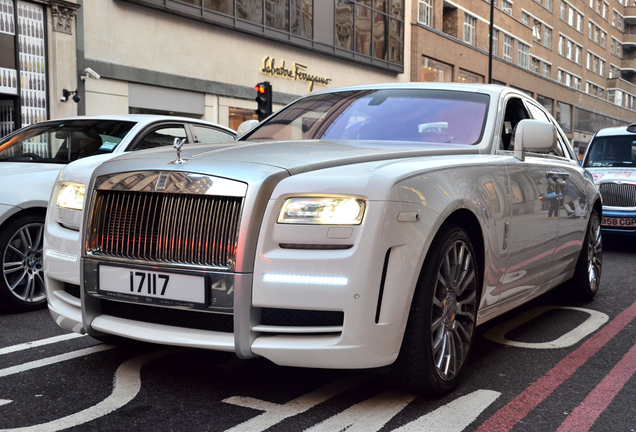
x=202 y=58
x=198 y=58
x=576 y=57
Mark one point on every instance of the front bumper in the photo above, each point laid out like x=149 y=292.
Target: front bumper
x=624 y=221
x=372 y=315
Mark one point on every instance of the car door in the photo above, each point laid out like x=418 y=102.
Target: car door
x=573 y=203
x=532 y=228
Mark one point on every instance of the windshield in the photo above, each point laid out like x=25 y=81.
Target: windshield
x=64 y=141
x=612 y=151
x=436 y=116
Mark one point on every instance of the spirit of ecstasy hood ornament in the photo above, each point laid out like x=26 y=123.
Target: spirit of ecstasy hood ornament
x=178 y=143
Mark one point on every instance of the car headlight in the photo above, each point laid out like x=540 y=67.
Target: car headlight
x=71 y=196
x=323 y=211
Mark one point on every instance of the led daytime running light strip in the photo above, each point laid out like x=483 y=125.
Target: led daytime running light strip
x=305 y=279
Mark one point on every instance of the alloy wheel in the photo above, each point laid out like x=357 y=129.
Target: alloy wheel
x=454 y=310
x=22 y=267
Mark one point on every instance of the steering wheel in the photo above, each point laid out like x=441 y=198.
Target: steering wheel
x=31 y=155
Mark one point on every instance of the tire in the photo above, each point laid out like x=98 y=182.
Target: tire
x=22 y=281
x=441 y=324
x=587 y=274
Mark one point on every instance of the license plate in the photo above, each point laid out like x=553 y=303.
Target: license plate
x=151 y=287
x=618 y=222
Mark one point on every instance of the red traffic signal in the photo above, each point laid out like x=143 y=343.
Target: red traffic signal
x=263 y=99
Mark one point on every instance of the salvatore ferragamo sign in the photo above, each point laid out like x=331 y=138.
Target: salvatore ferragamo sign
x=297 y=72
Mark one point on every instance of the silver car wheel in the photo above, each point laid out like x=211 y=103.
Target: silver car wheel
x=454 y=310
x=22 y=264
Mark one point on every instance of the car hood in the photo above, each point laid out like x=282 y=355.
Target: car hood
x=602 y=175
x=295 y=157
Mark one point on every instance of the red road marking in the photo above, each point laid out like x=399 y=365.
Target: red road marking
x=509 y=415
x=584 y=416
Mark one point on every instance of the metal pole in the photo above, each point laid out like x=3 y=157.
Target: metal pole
x=492 y=31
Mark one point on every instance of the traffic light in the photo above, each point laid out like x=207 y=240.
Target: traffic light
x=263 y=99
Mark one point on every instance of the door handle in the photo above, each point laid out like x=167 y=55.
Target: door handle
x=557 y=177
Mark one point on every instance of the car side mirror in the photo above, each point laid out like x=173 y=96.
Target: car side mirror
x=533 y=135
x=245 y=127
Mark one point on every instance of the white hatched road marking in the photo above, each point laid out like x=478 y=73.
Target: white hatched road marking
x=126 y=385
x=275 y=413
x=367 y=416
x=38 y=343
x=52 y=360
x=454 y=416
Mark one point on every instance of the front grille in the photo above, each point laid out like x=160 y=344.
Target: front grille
x=170 y=317
x=301 y=318
x=618 y=194
x=165 y=227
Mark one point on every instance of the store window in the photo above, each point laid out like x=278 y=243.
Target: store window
x=23 y=96
x=238 y=116
x=435 y=71
x=469 y=77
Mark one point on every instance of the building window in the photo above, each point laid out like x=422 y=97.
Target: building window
x=507 y=50
x=469 y=29
x=547 y=70
x=495 y=42
x=525 y=18
x=435 y=71
x=549 y=4
x=506 y=6
x=564 y=116
x=425 y=15
x=579 y=22
x=536 y=65
x=564 y=9
x=536 y=30
x=547 y=36
x=523 y=56
x=469 y=77
x=546 y=103
x=376 y=32
x=362 y=33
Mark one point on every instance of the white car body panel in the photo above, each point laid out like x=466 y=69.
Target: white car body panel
x=411 y=192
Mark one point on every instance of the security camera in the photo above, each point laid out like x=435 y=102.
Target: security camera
x=76 y=98
x=90 y=73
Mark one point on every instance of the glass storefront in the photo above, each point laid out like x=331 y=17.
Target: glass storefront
x=435 y=71
x=23 y=95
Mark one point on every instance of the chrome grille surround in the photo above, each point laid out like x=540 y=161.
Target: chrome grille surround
x=170 y=217
x=619 y=194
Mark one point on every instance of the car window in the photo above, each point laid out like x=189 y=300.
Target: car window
x=162 y=136
x=438 y=116
x=204 y=134
x=539 y=114
x=515 y=112
x=612 y=151
x=64 y=141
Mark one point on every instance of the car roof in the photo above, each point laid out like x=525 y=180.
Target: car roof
x=142 y=119
x=467 y=87
x=618 y=130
